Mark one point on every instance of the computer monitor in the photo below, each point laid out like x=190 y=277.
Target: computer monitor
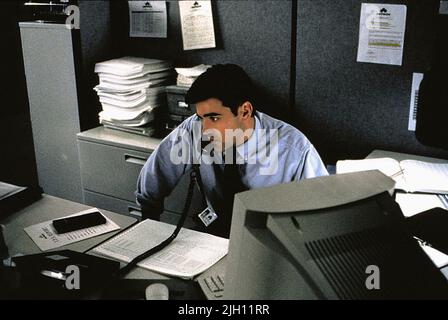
x=334 y=237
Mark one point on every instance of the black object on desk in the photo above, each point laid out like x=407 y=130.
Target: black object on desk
x=14 y=198
x=431 y=226
x=83 y=221
x=50 y=275
x=3 y=248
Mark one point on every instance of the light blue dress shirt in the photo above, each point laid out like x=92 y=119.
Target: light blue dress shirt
x=288 y=156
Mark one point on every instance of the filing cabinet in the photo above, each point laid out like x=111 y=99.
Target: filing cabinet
x=178 y=109
x=111 y=162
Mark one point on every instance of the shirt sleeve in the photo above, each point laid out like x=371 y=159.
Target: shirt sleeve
x=311 y=165
x=162 y=172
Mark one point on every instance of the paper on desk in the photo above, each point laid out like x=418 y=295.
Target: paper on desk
x=136 y=78
x=46 y=237
x=388 y=166
x=130 y=67
x=130 y=95
x=190 y=254
x=414 y=203
x=426 y=176
x=132 y=105
x=194 y=71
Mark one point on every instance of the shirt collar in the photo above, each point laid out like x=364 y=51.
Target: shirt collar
x=248 y=149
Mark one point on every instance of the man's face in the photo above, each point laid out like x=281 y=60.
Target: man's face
x=215 y=116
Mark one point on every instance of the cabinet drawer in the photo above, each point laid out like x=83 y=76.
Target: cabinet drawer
x=101 y=201
x=110 y=170
x=128 y=208
x=176 y=101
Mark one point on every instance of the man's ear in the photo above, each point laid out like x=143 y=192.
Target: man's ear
x=246 y=110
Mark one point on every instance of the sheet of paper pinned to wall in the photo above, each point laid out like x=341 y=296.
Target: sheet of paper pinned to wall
x=147 y=19
x=197 y=24
x=416 y=80
x=381 y=33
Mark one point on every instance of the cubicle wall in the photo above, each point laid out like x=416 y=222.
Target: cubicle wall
x=302 y=54
x=254 y=34
x=349 y=108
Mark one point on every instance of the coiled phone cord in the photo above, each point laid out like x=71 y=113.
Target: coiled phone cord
x=194 y=177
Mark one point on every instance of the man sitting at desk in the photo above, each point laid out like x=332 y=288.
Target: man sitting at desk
x=246 y=149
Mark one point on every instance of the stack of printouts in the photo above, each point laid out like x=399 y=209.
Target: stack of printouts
x=186 y=76
x=130 y=90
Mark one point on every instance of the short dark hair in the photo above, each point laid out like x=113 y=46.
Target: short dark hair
x=228 y=83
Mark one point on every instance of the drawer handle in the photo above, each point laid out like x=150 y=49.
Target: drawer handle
x=170 y=127
x=135 y=159
x=182 y=104
x=135 y=211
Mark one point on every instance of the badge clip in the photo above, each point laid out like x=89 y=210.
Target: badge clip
x=207 y=216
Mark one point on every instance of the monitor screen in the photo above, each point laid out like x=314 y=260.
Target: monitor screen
x=334 y=237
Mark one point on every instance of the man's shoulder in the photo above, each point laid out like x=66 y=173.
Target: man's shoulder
x=189 y=123
x=289 y=137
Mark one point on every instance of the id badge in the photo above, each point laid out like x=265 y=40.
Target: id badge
x=208 y=216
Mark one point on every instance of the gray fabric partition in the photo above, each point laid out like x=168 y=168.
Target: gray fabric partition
x=350 y=108
x=254 y=34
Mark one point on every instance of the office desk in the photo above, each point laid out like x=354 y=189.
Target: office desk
x=49 y=208
x=404 y=156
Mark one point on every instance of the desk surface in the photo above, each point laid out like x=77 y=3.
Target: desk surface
x=49 y=208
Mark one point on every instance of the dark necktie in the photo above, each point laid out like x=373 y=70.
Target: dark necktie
x=229 y=180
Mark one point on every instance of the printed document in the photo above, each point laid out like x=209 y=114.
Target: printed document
x=190 y=254
x=410 y=175
x=414 y=203
x=381 y=33
x=148 y=19
x=46 y=237
x=196 y=19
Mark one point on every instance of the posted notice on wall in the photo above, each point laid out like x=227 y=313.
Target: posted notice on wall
x=147 y=19
x=197 y=24
x=381 y=33
x=416 y=81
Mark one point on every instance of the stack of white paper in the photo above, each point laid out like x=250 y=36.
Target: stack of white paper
x=130 y=89
x=186 y=76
